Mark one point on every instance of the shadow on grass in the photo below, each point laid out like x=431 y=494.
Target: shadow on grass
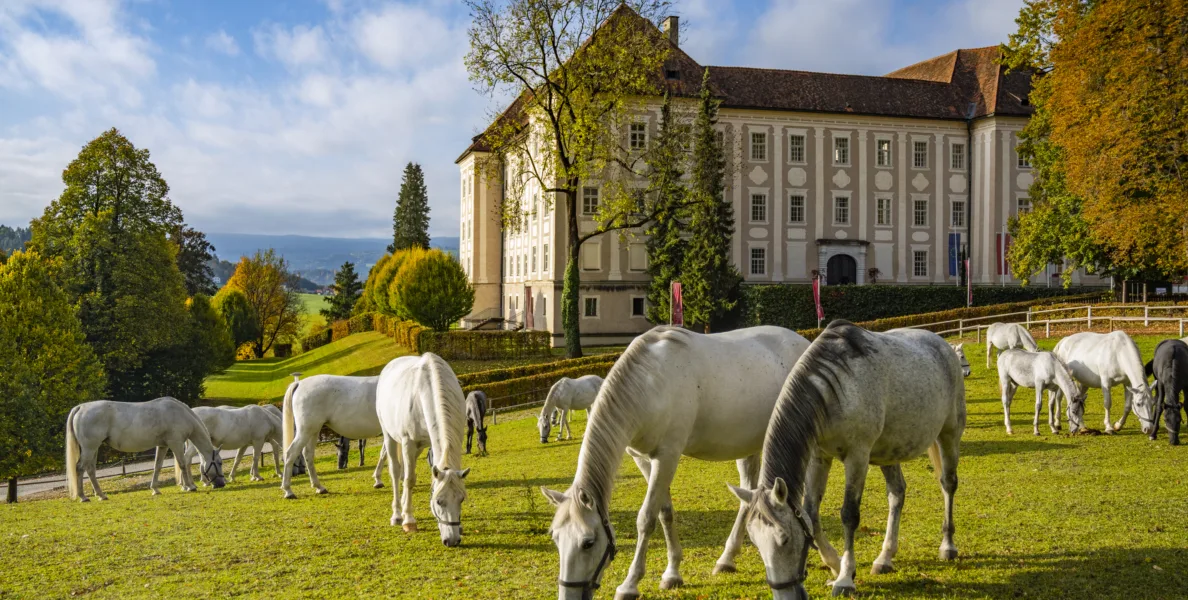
x=1017 y=446
x=1121 y=573
x=534 y=483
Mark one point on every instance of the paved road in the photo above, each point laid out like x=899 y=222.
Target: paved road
x=53 y=482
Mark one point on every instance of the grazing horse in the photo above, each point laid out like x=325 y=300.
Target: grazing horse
x=420 y=405
x=959 y=349
x=476 y=409
x=238 y=429
x=1170 y=368
x=674 y=392
x=565 y=396
x=1041 y=371
x=1008 y=336
x=1103 y=360
x=164 y=423
x=345 y=404
x=344 y=450
x=863 y=398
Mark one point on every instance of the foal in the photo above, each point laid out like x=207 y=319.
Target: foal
x=1041 y=371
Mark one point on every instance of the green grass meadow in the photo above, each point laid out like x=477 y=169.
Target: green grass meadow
x=1047 y=516
x=311 y=306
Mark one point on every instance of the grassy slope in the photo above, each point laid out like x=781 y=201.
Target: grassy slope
x=1042 y=517
x=312 y=304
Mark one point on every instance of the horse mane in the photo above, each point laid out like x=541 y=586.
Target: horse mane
x=614 y=417
x=450 y=416
x=1064 y=378
x=803 y=406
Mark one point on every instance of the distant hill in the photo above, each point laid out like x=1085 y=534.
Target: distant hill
x=314 y=258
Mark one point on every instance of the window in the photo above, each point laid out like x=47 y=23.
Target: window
x=544 y=307
x=920 y=155
x=637 y=306
x=883 y=153
x=758 y=261
x=841 y=151
x=1024 y=205
x=759 y=146
x=796 y=208
x=920 y=263
x=544 y=259
x=1024 y=162
x=638 y=139
x=590 y=307
x=589 y=200
x=591 y=256
x=920 y=213
x=637 y=257
x=758 y=208
x=958 y=219
x=841 y=210
x=533 y=261
x=721 y=138
x=957 y=157
x=796 y=148
x=883 y=211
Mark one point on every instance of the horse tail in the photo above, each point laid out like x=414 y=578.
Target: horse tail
x=287 y=426
x=935 y=457
x=73 y=477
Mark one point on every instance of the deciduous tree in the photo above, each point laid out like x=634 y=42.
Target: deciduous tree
x=434 y=290
x=242 y=321
x=194 y=256
x=266 y=283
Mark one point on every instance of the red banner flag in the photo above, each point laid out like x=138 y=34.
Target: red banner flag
x=817 y=298
x=677 y=307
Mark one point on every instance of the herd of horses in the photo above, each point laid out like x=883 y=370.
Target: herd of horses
x=782 y=408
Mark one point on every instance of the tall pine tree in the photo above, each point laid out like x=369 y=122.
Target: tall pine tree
x=410 y=223
x=347 y=290
x=666 y=247
x=711 y=281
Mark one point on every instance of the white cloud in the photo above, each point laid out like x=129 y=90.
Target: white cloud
x=298 y=46
x=223 y=43
x=402 y=36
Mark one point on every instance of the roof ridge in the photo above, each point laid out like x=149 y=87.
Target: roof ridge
x=851 y=75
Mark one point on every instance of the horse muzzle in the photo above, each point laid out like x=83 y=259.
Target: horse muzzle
x=219 y=482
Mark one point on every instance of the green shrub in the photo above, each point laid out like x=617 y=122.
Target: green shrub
x=433 y=290
x=339 y=330
x=237 y=312
x=316 y=340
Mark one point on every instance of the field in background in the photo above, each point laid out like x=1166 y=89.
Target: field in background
x=1047 y=516
x=312 y=304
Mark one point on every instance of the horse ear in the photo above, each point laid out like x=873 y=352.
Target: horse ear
x=464 y=473
x=741 y=493
x=585 y=500
x=436 y=472
x=779 y=492
x=554 y=497
x=960 y=346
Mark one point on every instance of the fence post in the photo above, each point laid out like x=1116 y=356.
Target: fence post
x=1047 y=329
x=1028 y=317
x=1146 y=315
x=1089 y=321
x=979 y=328
x=961 y=328
x=123 y=465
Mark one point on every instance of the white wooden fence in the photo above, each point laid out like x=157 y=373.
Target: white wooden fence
x=1087 y=314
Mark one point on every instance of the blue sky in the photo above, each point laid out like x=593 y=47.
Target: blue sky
x=299 y=116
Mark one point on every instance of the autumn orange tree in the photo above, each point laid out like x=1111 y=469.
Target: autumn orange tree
x=271 y=292
x=1109 y=138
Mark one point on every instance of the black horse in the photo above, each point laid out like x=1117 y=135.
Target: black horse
x=1170 y=368
x=344 y=451
x=476 y=409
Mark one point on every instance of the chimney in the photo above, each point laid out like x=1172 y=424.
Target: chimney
x=672 y=28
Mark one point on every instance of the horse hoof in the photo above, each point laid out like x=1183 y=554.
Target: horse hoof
x=721 y=568
x=626 y=595
x=84 y=499
x=881 y=568
x=410 y=528
x=845 y=590
x=290 y=496
x=948 y=554
x=377 y=485
x=103 y=498
x=156 y=493
x=321 y=491
x=670 y=584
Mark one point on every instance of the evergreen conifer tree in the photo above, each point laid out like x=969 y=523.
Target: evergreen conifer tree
x=347 y=290
x=666 y=248
x=410 y=223
x=710 y=281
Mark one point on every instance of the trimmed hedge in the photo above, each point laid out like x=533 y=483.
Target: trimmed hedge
x=497 y=375
x=791 y=306
x=451 y=345
x=534 y=388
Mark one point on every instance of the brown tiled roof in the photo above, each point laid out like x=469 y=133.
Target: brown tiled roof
x=975 y=76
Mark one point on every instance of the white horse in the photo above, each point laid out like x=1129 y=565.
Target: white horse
x=1041 y=371
x=959 y=350
x=863 y=398
x=238 y=429
x=420 y=405
x=345 y=404
x=164 y=423
x=1007 y=336
x=1103 y=360
x=566 y=396
x=673 y=393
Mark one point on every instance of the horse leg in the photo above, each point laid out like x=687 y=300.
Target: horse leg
x=561 y=423
x=469 y=434
x=257 y=450
x=308 y=453
x=896 y=490
x=568 y=423
x=362 y=443
x=1008 y=394
x=86 y=458
x=748 y=475
x=1107 y=401
x=160 y=460
x=662 y=471
x=989 y=347
x=235 y=464
x=379 y=466
x=1126 y=405
x=814 y=492
x=294 y=450
x=947 y=448
x=409 y=451
x=856 y=463
x=1039 y=405
x=276 y=456
x=93 y=475
x=389 y=447
x=1053 y=412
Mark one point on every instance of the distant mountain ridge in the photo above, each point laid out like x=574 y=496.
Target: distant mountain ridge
x=314 y=258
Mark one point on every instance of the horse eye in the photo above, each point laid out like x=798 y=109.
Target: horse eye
x=441 y=502
x=587 y=543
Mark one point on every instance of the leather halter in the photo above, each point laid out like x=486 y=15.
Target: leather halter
x=590 y=585
x=210 y=465
x=436 y=515
x=808 y=543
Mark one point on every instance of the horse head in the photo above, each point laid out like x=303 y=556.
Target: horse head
x=482 y=439
x=212 y=468
x=585 y=542
x=448 y=494
x=545 y=425
x=783 y=536
x=960 y=350
x=1144 y=407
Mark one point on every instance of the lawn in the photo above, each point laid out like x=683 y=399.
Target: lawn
x=311 y=306
x=1038 y=517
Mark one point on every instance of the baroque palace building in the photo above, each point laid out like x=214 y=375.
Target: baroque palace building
x=858 y=179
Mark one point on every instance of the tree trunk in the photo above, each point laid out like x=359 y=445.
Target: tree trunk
x=570 y=298
x=12 y=490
